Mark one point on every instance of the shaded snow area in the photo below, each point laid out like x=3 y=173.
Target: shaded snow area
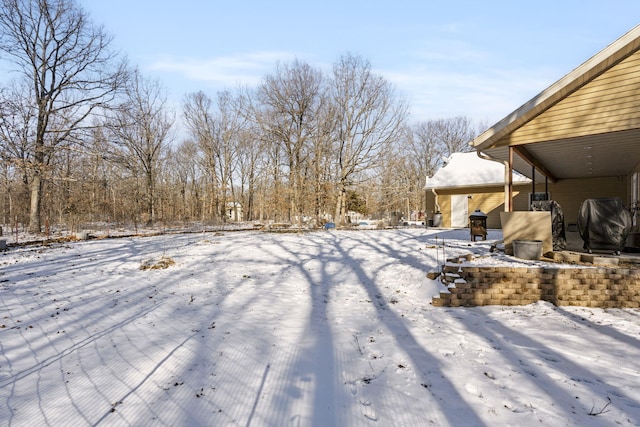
x=329 y=328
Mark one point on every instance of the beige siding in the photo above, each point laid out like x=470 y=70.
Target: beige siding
x=568 y=193
x=489 y=200
x=571 y=193
x=609 y=103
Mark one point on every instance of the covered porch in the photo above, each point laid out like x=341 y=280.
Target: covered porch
x=578 y=139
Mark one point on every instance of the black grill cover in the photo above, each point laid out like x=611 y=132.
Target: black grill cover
x=604 y=224
x=557 y=222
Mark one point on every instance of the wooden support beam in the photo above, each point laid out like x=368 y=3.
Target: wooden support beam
x=528 y=157
x=508 y=183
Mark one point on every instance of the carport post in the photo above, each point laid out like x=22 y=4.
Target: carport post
x=508 y=183
x=533 y=185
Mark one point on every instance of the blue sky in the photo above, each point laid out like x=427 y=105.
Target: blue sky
x=479 y=59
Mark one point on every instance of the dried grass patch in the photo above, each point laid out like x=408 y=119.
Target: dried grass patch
x=162 y=263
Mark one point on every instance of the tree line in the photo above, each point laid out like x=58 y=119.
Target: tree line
x=85 y=137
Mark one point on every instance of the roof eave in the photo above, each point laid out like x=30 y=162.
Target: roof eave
x=482 y=185
x=586 y=72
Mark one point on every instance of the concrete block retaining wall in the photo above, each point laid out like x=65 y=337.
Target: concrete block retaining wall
x=601 y=287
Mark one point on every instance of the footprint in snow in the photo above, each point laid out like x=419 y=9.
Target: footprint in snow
x=371 y=415
x=556 y=377
x=473 y=390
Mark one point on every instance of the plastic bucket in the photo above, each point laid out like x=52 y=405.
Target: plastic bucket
x=527 y=249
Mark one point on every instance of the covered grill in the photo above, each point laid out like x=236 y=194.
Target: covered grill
x=604 y=224
x=557 y=222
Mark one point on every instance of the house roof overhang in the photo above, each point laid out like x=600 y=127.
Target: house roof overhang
x=609 y=152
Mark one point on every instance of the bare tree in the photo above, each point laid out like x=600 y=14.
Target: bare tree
x=142 y=126
x=320 y=171
x=250 y=163
x=101 y=174
x=370 y=121
x=290 y=107
x=17 y=122
x=231 y=123
x=455 y=133
x=187 y=173
x=70 y=69
x=217 y=131
x=429 y=142
x=201 y=125
x=425 y=147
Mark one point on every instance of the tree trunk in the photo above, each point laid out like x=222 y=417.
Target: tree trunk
x=339 y=217
x=150 y=199
x=36 y=201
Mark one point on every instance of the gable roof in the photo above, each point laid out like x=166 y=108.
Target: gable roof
x=593 y=112
x=469 y=170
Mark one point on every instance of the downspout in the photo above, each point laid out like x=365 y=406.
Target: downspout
x=435 y=200
x=433 y=190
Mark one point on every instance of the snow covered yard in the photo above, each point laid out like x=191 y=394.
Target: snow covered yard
x=312 y=329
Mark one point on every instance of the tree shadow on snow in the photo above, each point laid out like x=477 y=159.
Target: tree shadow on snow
x=452 y=404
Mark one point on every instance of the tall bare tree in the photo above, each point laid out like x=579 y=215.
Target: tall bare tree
x=231 y=123
x=319 y=176
x=71 y=71
x=370 y=120
x=142 y=127
x=17 y=122
x=250 y=163
x=291 y=105
x=200 y=123
x=217 y=130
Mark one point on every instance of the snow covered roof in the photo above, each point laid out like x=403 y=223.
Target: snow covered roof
x=468 y=170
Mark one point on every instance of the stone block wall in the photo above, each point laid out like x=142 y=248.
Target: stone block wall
x=602 y=287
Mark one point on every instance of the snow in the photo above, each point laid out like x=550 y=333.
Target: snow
x=330 y=328
x=468 y=169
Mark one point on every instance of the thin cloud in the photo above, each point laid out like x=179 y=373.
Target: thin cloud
x=434 y=93
x=449 y=51
x=248 y=68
